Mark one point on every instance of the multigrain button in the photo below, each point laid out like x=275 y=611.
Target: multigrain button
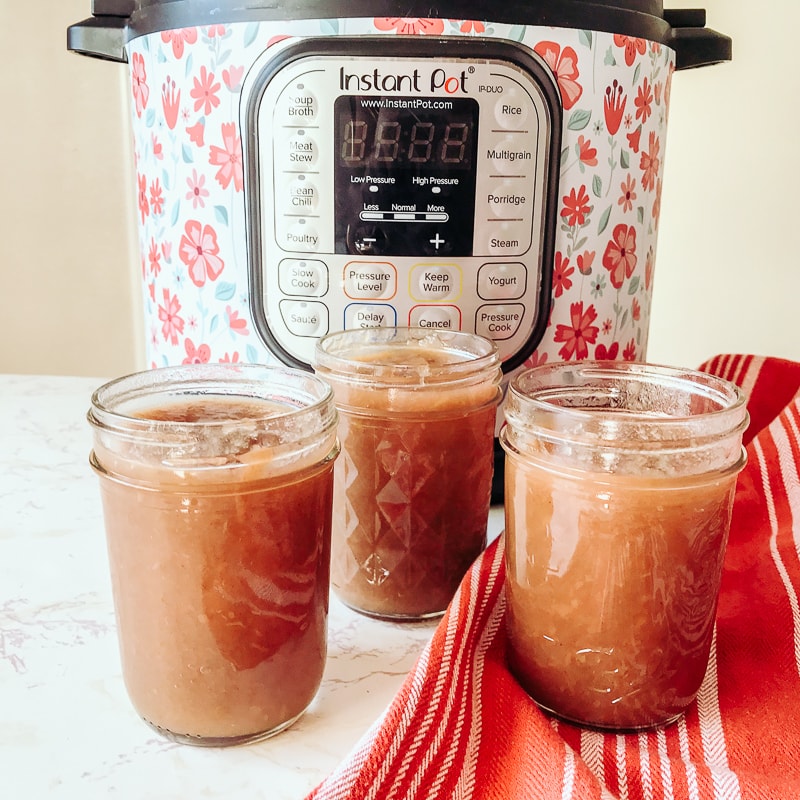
x=506 y=281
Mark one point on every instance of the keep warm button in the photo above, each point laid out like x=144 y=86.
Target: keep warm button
x=500 y=321
x=435 y=282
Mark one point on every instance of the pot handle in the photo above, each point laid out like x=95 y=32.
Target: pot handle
x=99 y=37
x=693 y=43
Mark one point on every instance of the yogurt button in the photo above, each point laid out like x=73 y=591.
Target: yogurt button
x=505 y=281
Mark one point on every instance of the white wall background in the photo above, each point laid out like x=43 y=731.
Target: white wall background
x=727 y=275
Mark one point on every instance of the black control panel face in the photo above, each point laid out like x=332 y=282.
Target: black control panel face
x=405 y=175
x=393 y=181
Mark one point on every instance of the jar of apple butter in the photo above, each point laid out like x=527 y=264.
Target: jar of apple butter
x=216 y=482
x=417 y=411
x=620 y=480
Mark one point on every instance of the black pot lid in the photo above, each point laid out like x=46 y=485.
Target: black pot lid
x=115 y=22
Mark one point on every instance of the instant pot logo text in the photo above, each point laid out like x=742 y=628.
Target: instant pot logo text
x=439 y=80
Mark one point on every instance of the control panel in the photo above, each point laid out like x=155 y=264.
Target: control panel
x=400 y=181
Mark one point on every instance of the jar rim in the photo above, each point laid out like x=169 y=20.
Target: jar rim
x=586 y=397
x=342 y=353
x=296 y=393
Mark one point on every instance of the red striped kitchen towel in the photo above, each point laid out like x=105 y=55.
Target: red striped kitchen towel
x=461 y=727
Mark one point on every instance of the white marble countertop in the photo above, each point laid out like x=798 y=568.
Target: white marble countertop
x=67 y=729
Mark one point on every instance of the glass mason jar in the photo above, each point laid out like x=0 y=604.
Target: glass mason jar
x=417 y=413
x=216 y=482
x=620 y=481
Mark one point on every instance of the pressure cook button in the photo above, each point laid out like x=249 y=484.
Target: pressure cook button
x=505 y=281
x=499 y=322
x=370 y=280
x=366 y=315
x=297 y=105
x=304 y=319
x=303 y=277
x=435 y=282
x=441 y=318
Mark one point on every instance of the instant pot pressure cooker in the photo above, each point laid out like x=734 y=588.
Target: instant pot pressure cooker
x=308 y=166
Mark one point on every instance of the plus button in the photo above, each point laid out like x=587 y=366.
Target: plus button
x=437 y=241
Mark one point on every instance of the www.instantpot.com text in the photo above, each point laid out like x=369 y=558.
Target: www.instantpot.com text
x=416 y=103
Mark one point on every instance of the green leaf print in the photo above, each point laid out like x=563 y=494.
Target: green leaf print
x=579 y=119
x=517 y=33
x=604 y=220
x=609 y=60
x=597 y=186
x=633 y=286
x=188 y=157
x=624 y=159
x=225 y=291
x=222 y=214
x=176 y=210
x=585 y=37
x=250 y=33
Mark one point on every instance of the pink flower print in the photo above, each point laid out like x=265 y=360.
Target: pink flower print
x=636 y=310
x=628 y=194
x=197 y=192
x=179 y=38
x=156 y=197
x=576 y=206
x=585 y=261
x=620 y=256
x=536 y=359
x=141 y=91
x=215 y=30
x=199 y=251
x=650 y=162
x=151 y=288
x=579 y=334
x=230 y=359
x=564 y=63
x=586 y=153
x=170 y=102
x=166 y=251
x=644 y=101
x=614 y=106
x=205 y=91
x=233 y=78
x=629 y=353
x=607 y=326
x=603 y=353
x=158 y=150
x=228 y=158
x=561 y=275
x=144 y=205
x=415 y=26
x=236 y=324
x=171 y=322
x=658 y=87
x=196 y=355
x=154 y=257
x=197 y=133
x=631 y=45
x=470 y=26
x=634 y=139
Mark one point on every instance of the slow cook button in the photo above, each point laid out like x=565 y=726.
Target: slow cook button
x=303 y=277
x=505 y=281
x=499 y=322
x=304 y=319
x=442 y=318
x=366 y=315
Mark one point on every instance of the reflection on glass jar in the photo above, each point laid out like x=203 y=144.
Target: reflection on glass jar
x=619 y=489
x=216 y=483
x=417 y=414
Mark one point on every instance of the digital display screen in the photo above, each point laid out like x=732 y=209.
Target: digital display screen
x=404 y=175
x=406 y=132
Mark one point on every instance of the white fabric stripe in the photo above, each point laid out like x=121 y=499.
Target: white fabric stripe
x=692 y=786
x=788 y=471
x=592 y=752
x=712 y=735
x=569 y=773
x=748 y=380
x=666 y=767
x=644 y=766
x=466 y=780
x=622 y=775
